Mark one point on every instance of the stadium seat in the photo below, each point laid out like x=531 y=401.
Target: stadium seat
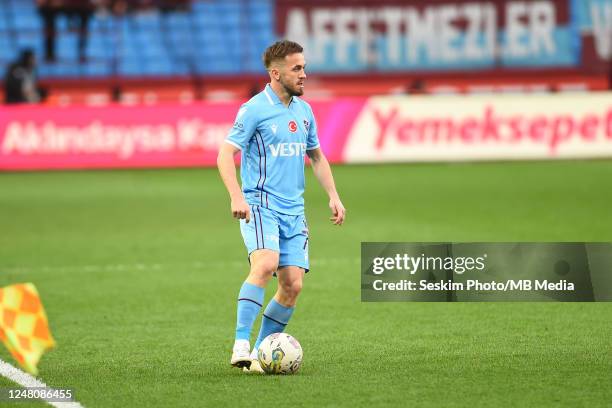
x=97 y=48
x=67 y=46
x=59 y=70
x=62 y=23
x=209 y=38
x=176 y=20
x=146 y=21
x=151 y=48
x=97 y=69
x=27 y=21
x=159 y=67
x=7 y=56
x=29 y=40
x=98 y=22
x=4 y=24
x=230 y=19
x=130 y=67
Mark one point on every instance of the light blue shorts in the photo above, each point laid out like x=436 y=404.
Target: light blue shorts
x=285 y=234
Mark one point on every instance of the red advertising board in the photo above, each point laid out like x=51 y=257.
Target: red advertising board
x=376 y=129
x=139 y=136
x=113 y=136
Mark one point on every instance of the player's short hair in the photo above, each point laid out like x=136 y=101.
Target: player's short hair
x=279 y=50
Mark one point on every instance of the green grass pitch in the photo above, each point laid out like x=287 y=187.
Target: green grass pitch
x=139 y=273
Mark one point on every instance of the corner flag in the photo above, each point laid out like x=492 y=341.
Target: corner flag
x=24 y=327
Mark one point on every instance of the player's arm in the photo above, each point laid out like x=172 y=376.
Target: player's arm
x=323 y=173
x=227 y=170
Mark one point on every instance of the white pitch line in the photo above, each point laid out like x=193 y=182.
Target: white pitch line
x=26 y=380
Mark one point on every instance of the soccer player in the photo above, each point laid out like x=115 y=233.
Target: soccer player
x=274 y=131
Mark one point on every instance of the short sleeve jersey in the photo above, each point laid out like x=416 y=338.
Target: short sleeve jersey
x=274 y=139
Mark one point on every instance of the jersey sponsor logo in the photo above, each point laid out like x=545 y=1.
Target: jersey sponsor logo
x=292 y=126
x=239 y=126
x=288 y=149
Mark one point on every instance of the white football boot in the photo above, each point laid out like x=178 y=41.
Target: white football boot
x=255 y=367
x=241 y=356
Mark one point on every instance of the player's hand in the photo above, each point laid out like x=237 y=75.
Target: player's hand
x=338 y=211
x=240 y=209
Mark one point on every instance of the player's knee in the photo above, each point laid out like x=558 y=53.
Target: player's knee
x=296 y=287
x=264 y=268
x=293 y=289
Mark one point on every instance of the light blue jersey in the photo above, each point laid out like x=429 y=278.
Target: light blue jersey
x=274 y=140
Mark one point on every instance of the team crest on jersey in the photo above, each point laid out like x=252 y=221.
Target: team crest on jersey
x=292 y=126
x=307 y=125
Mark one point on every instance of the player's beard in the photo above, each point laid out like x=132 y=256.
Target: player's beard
x=292 y=91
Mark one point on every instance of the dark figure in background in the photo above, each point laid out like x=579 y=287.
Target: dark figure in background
x=20 y=82
x=78 y=11
x=417 y=87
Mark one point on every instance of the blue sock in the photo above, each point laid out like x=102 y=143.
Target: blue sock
x=274 y=320
x=250 y=300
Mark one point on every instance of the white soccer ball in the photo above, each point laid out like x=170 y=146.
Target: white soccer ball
x=280 y=353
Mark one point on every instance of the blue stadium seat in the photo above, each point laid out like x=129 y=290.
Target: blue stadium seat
x=154 y=50
x=254 y=65
x=182 y=46
x=204 y=19
x=112 y=25
x=94 y=69
x=227 y=7
x=159 y=67
x=67 y=46
x=62 y=23
x=264 y=5
x=181 y=68
x=125 y=28
x=97 y=47
x=177 y=20
x=66 y=70
x=27 y=39
x=207 y=7
x=130 y=67
x=127 y=50
x=148 y=20
x=22 y=5
x=179 y=35
x=45 y=70
x=229 y=19
x=27 y=21
x=218 y=67
x=147 y=38
x=215 y=37
x=97 y=22
x=8 y=50
x=261 y=20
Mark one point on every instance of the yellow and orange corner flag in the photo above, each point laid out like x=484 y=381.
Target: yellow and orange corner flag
x=24 y=327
